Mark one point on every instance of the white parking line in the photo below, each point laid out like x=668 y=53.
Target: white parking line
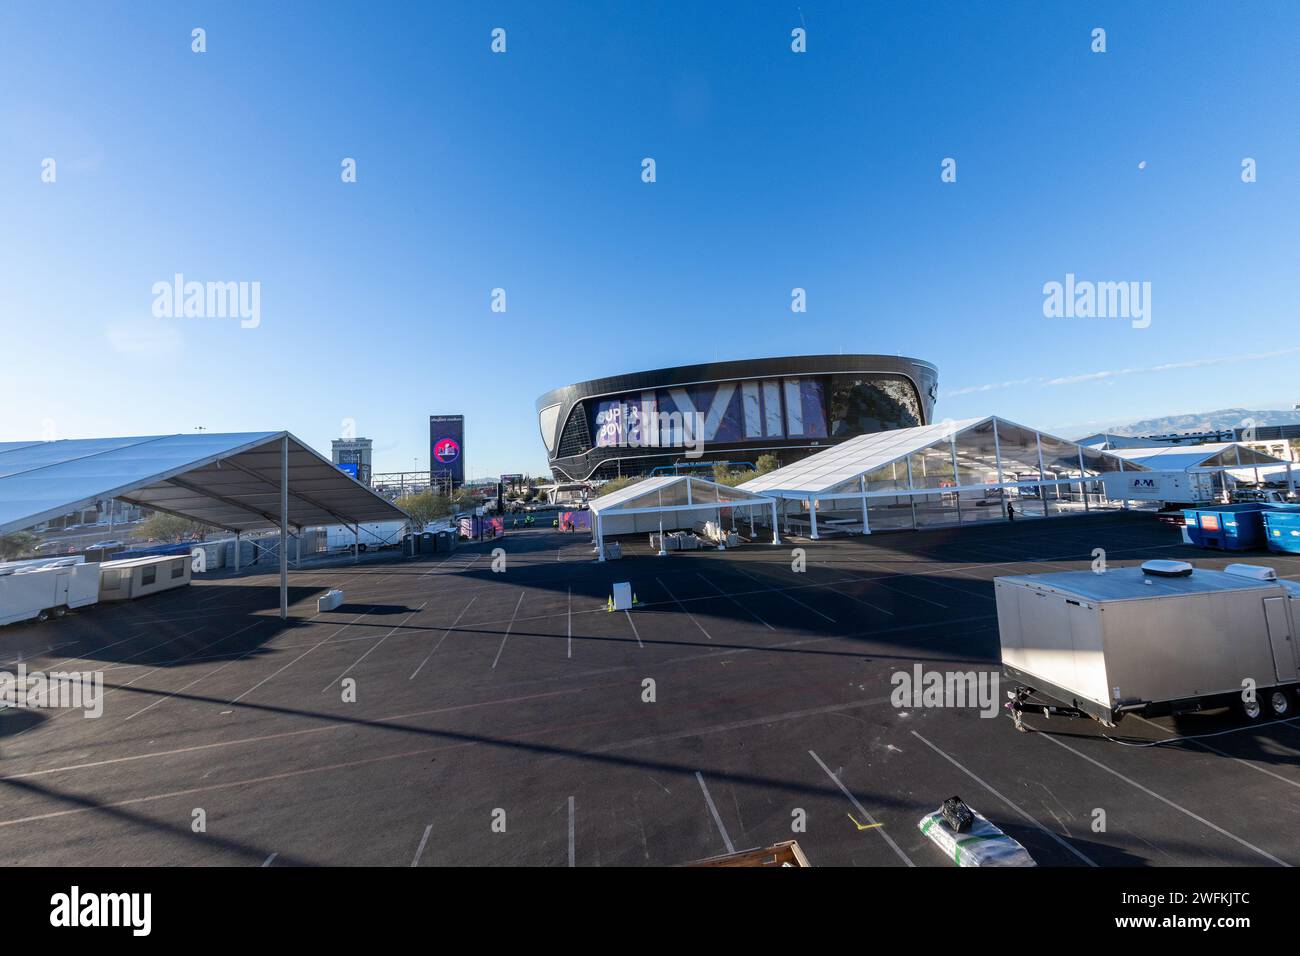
x=423 y=840
x=708 y=798
x=572 y=857
x=506 y=636
x=1013 y=806
x=735 y=602
x=270 y=859
x=1165 y=800
x=634 y=630
x=285 y=667
x=863 y=810
x=683 y=607
x=373 y=647
x=1223 y=753
x=443 y=638
x=570 y=654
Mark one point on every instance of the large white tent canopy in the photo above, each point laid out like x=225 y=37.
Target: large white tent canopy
x=669 y=501
x=238 y=482
x=973 y=456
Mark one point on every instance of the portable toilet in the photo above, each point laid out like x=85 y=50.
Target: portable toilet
x=1282 y=530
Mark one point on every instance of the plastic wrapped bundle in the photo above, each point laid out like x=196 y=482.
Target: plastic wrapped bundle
x=982 y=845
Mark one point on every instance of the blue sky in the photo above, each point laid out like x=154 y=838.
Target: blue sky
x=775 y=170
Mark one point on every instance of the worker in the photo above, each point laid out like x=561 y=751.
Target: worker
x=1011 y=511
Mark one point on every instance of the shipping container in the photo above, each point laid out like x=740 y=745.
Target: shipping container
x=134 y=578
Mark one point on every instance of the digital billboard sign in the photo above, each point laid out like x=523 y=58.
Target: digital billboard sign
x=447 y=447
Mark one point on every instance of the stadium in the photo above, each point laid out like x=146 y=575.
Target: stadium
x=695 y=415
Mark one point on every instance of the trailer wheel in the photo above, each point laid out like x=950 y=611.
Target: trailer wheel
x=1279 y=704
x=1251 y=709
x=59 y=611
x=42 y=617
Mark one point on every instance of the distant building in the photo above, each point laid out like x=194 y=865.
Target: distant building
x=353 y=455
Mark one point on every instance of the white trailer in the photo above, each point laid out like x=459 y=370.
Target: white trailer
x=1161 y=638
x=40 y=592
x=132 y=578
x=1182 y=487
x=370 y=537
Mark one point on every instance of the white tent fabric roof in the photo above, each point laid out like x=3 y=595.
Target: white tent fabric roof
x=703 y=494
x=850 y=460
x=230 y=481
x=1183 y=457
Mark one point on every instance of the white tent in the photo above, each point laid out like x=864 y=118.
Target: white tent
x=1241 y=462
x=953 y=472
x=669 y=502
x=238 y=482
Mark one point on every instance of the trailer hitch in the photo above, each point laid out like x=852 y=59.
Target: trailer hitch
x=1019 y=704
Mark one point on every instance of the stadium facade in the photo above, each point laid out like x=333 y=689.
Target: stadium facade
x=729 y=411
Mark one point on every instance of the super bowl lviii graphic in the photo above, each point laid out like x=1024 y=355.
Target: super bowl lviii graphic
x=447 y=448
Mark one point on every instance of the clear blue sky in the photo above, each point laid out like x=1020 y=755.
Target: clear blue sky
x=522 y=171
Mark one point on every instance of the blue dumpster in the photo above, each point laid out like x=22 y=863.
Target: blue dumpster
x=1227 y=527
x=1282 y=530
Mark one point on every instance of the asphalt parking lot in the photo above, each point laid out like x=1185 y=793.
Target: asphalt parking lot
x=500 y=717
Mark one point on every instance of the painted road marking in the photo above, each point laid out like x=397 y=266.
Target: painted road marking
x=708 y=798
x=423 y=840
x=372 y=648
x=862 y=810
x=1013 y=806
x=506 y=636
x=1165 y=800
x=683 y=607
x=735 y=602
x=443 y=638
x=572 y=858
x=634 y=630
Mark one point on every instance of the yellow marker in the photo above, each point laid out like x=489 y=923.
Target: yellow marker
x=863 y=826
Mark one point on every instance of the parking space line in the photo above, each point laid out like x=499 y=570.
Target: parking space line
x=270 y=859
x=1057 y=837
x=443 y=638
x=572 y=858
x=634 y=630
x=570 y=616
x=285 y=667
x=863 y=810
x=1223 y=753
x=1165 y=800
x=373 y=647
x=788 y=597
x=708 y=798
x=683 y=607
x=735 y=602
x=506 y=636
x=423 y=840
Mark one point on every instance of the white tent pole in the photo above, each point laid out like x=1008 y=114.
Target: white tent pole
x=911 y=497
x=663 y=551
x=997 y=457
x=284 y=527
x=1042 y=472
x=237 y=552
x=1083 y=484
x=776 y=535
x=956 y=477
x=812 y=513
x=600 y=539
x=862 y=487
x=356 y=544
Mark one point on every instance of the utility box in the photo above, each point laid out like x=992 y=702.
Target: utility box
x=623 y=596
x=1150 y=639
x=329 y=601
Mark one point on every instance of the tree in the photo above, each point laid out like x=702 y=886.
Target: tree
x=424 y=507
x=170 y=529
x=765 y=464
x=16 y=544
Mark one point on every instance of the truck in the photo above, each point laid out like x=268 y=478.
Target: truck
x=1162 y=638
x=39 y=592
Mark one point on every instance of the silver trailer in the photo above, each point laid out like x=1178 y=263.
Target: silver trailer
x=1161 y=638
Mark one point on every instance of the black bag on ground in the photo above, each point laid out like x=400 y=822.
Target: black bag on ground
x=956 y=814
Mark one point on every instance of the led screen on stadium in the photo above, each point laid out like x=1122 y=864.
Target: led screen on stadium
x=447 y=447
